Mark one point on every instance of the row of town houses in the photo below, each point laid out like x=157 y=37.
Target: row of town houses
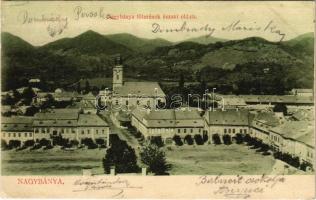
x=287 y=136
x=290 y=136
x=70 y=124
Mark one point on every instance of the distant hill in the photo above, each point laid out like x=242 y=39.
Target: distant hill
x=89 y=42
x=14 y=44
x=236 y=63
x=138 y=44
x=205 y=40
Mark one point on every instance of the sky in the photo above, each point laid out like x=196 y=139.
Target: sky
x=273 y=21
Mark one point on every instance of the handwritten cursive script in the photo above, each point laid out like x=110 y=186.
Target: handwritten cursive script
x=116 y=186
x=240 y=186
x=235 y=26
x=56 y=23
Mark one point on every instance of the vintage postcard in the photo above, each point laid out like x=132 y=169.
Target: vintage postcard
x=147 y=99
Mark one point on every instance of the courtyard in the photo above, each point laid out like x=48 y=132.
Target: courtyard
x=216 y=159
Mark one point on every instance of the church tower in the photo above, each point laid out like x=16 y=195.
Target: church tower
x=117 y=73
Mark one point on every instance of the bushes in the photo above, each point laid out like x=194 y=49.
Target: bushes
x=227 y=139
x=188 y=139
x=177 y=140
x=198 y=139
x=216 y=139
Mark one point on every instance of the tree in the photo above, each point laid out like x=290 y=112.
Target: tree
x=216 y=139
x=30 y=111
x=239 y=138
x=198 y=139
x=157 y=140
x=122 y=156
x=280 y=108
x=29 y=143
x=188 y=139
x=177 y=140
x=227 y=139
x=154 y=157
x=28 y=95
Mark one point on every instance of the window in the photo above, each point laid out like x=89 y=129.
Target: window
x=179 y=130
x=43 y=130
x=233 y=130
x=9 y=134
x=225 y=131
x=25 y=134
x=126 y=102
x=19 y=134
x=82 y=132
x=73 y=130
x=137 y=102
x=30 y=134
x=36 y=130
x=245 y=130
x=102 y=131
x=185 y=130
x=14 y=134
x=97 y=131
x=199 y=130
x=229 y=130
x=88 y=131
x=191 y=130
x=62 y=130
x=117 y=77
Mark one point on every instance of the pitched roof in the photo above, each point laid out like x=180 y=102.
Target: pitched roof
x=91 y=120
x=303 y=115
x=268 y=118
x=169 y=118
x=146 y=89
x=56 y=116
x=227 y=117
x=293 y=129
x=16 y=123
x=308 y=138
x=273 y=98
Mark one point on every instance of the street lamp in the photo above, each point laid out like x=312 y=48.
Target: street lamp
x=213 y=98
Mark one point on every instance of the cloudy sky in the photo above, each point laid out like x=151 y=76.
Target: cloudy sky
x=231 y=20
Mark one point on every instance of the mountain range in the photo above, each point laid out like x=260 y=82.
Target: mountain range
x=90 y=54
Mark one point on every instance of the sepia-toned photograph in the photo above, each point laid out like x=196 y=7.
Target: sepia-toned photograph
x=151 y=89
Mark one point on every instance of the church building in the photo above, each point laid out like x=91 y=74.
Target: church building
x=131 y=94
